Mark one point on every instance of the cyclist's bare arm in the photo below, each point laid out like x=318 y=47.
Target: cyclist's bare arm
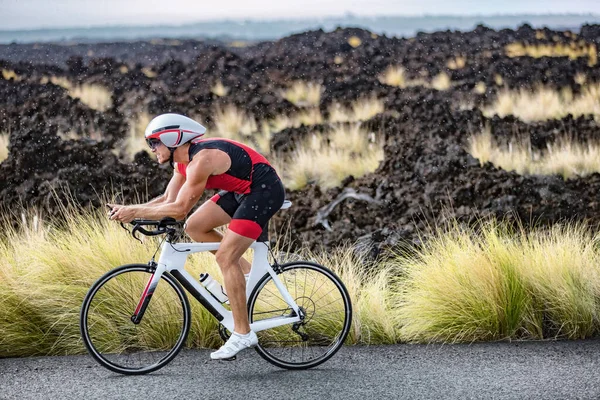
x=170 y=194
x=198 y=171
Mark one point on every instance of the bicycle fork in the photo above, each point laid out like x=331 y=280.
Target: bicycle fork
x=138 y=314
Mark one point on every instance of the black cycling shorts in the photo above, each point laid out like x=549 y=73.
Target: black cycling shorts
x=251 y=212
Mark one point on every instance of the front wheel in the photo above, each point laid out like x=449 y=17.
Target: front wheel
x=325 y=307
x=119 y=344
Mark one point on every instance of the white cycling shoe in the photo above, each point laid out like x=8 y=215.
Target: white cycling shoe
x=234 y=345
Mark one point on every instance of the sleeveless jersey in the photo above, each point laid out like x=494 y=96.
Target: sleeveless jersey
x=244 y=162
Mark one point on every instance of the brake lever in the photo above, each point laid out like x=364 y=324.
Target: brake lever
x=133 y=232
x=124 y=227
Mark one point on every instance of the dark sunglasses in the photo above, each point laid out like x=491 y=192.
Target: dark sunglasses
x=153 y=143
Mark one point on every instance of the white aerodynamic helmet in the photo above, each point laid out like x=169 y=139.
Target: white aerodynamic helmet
x=172 y=130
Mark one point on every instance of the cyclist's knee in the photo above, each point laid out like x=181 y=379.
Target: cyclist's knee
x=192 y=228
x=225 y=260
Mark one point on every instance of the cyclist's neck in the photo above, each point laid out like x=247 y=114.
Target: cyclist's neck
x=181 y=155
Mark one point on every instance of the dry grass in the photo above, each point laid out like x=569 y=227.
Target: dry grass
x=573 y=50
x=441 y=81
x=360 y=110
x=92 y=95
x=233 y=123
x=9 y=74
x=479 y=88
x=148 y=72
x=4 y=139
x=303 y=94
x=310 y=116
x=498 y=80
x=495 y=283
x=354 y=41
x=580 y=78
x=327 y=159
x=219 y=90
x=135 y=140
x=543 y=103
x=492 y=282
x=43 y=283
x=564 y=157
x=457 y=62
x=395 y=75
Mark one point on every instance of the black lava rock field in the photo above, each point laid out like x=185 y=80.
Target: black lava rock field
x=427 y=174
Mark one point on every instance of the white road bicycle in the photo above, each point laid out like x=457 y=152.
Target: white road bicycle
x=136 y=317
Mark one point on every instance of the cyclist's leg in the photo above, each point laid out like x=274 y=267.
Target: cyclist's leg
x=217 y=211
x=229 y=256
x=246 y=226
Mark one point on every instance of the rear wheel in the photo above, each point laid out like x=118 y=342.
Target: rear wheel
x=119 y=344
x=325 y=307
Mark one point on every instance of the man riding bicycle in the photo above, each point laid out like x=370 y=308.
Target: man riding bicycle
x=251 y=193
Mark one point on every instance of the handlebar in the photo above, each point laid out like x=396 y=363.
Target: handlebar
x=166 y=225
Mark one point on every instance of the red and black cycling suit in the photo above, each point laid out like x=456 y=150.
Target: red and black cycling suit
x=251 y=191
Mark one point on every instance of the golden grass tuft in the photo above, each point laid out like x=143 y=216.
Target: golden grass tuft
x=580 y=78
x=43 y=286
x=232 y=123
x=360 y=110
x=46 y=270
x=395 y=75
x=4 y=140
x=327 y=159
x=573 y=50
x=9 y=74
x=441 y=82
x=564 y=157
x=135 y=140
x=495 y=283
x=92 y=95
x=479 y=88
x=219 y=90
x=543 y=103
x=498 y=80
x=371 y=293
x=457 y=62
x=491 y=282
x=309 y=116
x=148 y=72
x=354 y=41
x=303 y=94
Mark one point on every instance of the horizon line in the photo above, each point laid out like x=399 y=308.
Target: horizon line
x=348 y=15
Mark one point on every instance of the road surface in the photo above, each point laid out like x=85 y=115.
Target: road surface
x=517 y=370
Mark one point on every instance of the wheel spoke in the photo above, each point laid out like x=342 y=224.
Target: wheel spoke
x=324 y=327
x=119 y=344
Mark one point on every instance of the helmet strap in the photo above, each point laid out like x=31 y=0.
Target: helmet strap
x=172 y=150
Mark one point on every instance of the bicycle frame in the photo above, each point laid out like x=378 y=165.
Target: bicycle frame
x=172 y=259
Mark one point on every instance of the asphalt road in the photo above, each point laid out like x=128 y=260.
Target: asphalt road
x=517 y=370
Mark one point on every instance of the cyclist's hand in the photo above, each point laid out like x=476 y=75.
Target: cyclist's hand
x=121 y=213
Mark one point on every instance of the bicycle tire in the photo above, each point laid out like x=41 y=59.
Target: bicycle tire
x=271 y=349
x=108 y=306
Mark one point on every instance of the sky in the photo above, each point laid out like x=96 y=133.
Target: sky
x=33 y=14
